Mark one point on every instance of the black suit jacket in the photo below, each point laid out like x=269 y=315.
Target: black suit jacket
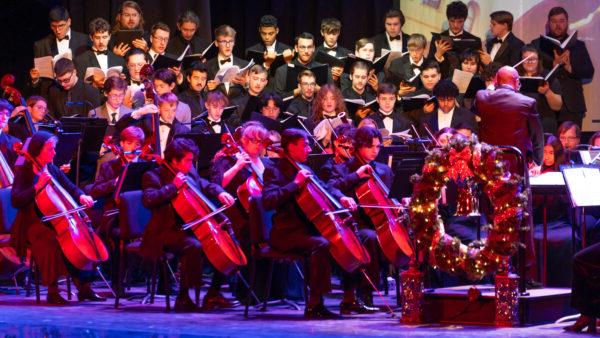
x=158 y=192
x=88 y=59
x=279 y=48
x=78 y=43
x=570 y=83
x=6 y=147
x=510 y=118
x=400 y=122
x=401 y=70
x=509 y=53
x=380 y=41
x=204 y=126
x=213 y=68
x=451 y=59
x=460 y=116
x=194 y=100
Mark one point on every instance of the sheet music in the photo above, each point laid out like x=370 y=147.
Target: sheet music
x=583 y=186
x=547 y=179
x=461 y=79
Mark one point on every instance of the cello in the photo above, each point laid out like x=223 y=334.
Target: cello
x=385 y=214
x=79 y=243
x=150 y=94
x=333 y=221
x=254 y=184
x=210 y=227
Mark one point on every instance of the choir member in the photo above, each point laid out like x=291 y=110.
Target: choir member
x=328 y=105
x=164 y=81
x=159 y=39
x=270 y=105
x=302 y=105
x=409 y=66
x=330 y=31
x=186 y=35
x=363 y=48
x=448 y=114
x=225 y=41
x=194 y=95
x=129 y=17
x=393 y=39
x=268 y=30
x=359 y=75
x=216 y=102
x=292 y=231
x=29 y=232
x=504 y=47
x=388 y=117
x=577 y=67
x=430 y=76
x=62 y=38
x=548 y=94
x=70 y=96
x=247 y=102
x=163 y=232
x=98 y=56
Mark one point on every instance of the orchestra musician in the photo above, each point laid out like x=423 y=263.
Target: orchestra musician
x=6 y=140
x=292 y=231
x=29 y=232
x=164 y=232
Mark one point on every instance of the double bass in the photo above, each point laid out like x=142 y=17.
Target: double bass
x=333 y=221
x=79 y=243
x=208 y=224
x=150 y=94
x=387 y=216
x=254 y=184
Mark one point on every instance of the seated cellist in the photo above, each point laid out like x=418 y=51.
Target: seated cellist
x=28 y=230
x=164 y=232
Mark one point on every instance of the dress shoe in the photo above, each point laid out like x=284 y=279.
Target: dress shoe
x=533 y=284
x=89 y=294
x=184 y=303
x=319 y=311
x=582 y=323
x=367 y=299
x=215 y=300
x=357 y=306
x=54 y=298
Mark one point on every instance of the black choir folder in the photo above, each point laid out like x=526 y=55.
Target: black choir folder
x=126 y=36
x=321 y=72
x=530 y=84
x=332 y=61
x=377 y=64
x=578 y=181
x=185 y=61
x=459 y=45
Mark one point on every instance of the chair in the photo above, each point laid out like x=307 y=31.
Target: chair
x=260 y=227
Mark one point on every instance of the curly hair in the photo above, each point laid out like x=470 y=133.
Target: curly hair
x=317 y=108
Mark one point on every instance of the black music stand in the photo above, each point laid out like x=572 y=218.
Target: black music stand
x=405 y=164
x=578 y=180
x=316 y=161
x=208 y=144
x=133 y=175
x=66 y=148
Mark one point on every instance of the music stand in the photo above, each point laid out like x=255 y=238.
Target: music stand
x=208 y=144
x=92 y=131
x=133 y=172
x=578 y=180
x=316 y=161
x=405 y=164
x=66 y=148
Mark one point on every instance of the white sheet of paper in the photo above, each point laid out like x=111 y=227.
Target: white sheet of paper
x=461 y=79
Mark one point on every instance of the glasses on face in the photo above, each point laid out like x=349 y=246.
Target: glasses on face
x=307 y=84
x=226 y=42
x=116 y=95
x=161 y=39
x=65 y=81
x=254 y=140
x=568 y=138
x=59 y=26
x=136 y=65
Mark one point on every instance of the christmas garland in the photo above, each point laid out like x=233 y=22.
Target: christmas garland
x=467 y=162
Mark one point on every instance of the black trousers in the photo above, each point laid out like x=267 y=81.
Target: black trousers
x=356 y=280
x=585 y=295
x=189 y=251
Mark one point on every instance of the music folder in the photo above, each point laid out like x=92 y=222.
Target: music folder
x=133 y=175
x=579 y=180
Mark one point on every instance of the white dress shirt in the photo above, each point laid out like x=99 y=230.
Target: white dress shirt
x=63 y=46
x=221 y=66
x=388 y=121
x=395 y=45
x=496 y=46
x=444 y=119
x=217 y=127
x=164 y=135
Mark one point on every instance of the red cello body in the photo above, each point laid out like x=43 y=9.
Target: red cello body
x=392 y=235
x=79 y=243
x=338 y=228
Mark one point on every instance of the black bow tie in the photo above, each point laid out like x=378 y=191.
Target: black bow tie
x=496 y=40
x=170 y=125
x=139 y=83
x=65 y=38
x=214 y=123
x=101 y=52
x=414 y=66
x=384 y=115
x=397 y=37
x=332 y=49
x=221 y=62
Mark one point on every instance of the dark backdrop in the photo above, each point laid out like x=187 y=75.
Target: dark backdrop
x=25 y=21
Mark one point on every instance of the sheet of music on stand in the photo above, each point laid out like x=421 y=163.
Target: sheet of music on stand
x=583 y=183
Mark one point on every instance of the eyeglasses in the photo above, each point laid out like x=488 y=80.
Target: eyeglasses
x=306 y=84
x=254 y=140
x=161 y=39
x=226 y=43
x=67 y=80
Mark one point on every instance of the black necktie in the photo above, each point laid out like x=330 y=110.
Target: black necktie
x=113 y=118
x=170 y=125
x=221 y=62
x=397 y=37
x=65 y=38
x=101 y=52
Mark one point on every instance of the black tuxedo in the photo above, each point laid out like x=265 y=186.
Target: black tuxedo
x=402 y=70
x=78 y=43
x=509 y=53
x=177 y=45
x=196 y=101
x=88 y=59
x=204 y=126
x=278 y=82
x=451 y=60
x=213 y=68
x=460 y=116
x=380 y=42
x=570 y=83
x=301 y=107
x=246 y=104
x=81 y=92
x=340 y=51
x=279 y=47
x=400 y=122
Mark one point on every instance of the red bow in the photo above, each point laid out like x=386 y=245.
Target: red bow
x=459 y=164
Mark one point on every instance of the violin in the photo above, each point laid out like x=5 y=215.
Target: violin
x=387 y=216
x=150 y=94
x=254 y=184
x=333 y=221
x=79 y=243
x=12 y=94
x=209 y=225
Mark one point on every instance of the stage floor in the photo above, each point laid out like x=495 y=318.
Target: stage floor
x=21 y=317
